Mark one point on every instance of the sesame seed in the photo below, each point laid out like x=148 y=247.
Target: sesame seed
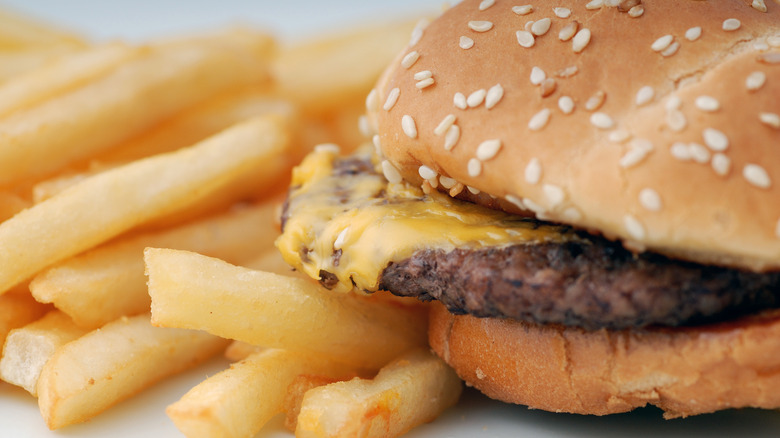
x=408 y=126
x=476 y=98
x=673 y=103
x=760 y=46
x=562 y=12
x=533 y=206
x=392 y=98
x=327 y=148
x=568 y=31
x=707 y=103
x=488 y=149
x=773 y=41
x=548 y=87
x=755 y=80
x=581 y=40
x=770 y=119
x=541 y=27
x=699 y=153
x=517 y=202
x=731 y=24
x=466 y=43
x=644 y=95
x=566 y=104
x=715 y=140
x=680 y=151
x=391 y=173
x=522 y=10
x=554 y=194
x=426 y=172
x=339 y=242
x=634 y=228
x=769 y=58
x=494 y=95
x=484 y=4
x=474 y=167
x=693 y=33
x=372 y=100
x=533 y=171
x=447 y=182
x=420 y=75
x=460 y=101
x=619 y=136
x=638 y=149
x=596 y=101
x=662 y=43
x=671 y=50
x=626 y=5
x=480 y=26
x=650 y=199
x=759 y=5
x=567 y=72
x=473 y=190
x=571 y=214
x=451 y=137
x=595 y=4
x=410 y=59
x=721 y=164
x=676 y=120
x=537 y=75
x=601 y=120
x=636 y=11
x=418 y=31
x=525 y=38
x=365 y=127
x=539 y=120
x=445 y=124
x=757 y=176
x=425 y=83
x=455 y=191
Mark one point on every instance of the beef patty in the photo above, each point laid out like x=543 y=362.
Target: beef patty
x=590 y=283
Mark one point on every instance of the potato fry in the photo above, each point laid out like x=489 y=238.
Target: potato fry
x=105 y=366
x=238 y=401
x=238 y=350
x=20 y=62
x=189 y=290
x=66 y=74
x=18 y=308
x=122 y=104
x=411 y=391
x=322 y=75
x=10 y=204
x=297 y=390
x=28 y=348
x=107 y=282
x=18 y=32
x=115 y=201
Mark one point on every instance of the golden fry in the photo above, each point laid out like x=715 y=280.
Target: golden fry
x=189 y=290
x=22 y=32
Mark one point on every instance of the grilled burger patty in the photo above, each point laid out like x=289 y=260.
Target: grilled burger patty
x=578 y=280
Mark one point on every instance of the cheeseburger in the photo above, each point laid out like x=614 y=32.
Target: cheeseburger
x=590 y=193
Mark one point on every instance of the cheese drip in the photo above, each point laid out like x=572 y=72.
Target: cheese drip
x=352 y=223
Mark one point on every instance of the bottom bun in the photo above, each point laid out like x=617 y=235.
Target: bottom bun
x=684 y=371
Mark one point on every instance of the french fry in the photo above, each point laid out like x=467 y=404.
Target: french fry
x=112 y=202
x=18 y=308
x=295 y=393
x=28 y=348
x=411 y=391
x=67 y=73
x=189 y=290
x=130 y=99
x=322 y=75
x=18 y=32
x=14 y=64
x=103 y=284
x=10 y=204
x=105 y=366
x=238 y=401
x=238 y=350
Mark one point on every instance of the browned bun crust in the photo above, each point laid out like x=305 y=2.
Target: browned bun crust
x=706 y=210
x=683 y=371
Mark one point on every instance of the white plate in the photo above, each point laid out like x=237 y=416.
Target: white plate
x=474 y=416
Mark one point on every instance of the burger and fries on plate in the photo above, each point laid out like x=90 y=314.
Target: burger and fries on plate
x=587 y=191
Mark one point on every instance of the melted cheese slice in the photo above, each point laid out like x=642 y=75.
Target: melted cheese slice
x=355 y=225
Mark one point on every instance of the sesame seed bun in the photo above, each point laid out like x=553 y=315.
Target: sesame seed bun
x=656 y=123
x=683 y=371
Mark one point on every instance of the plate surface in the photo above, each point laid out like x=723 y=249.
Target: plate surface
x=475 y=416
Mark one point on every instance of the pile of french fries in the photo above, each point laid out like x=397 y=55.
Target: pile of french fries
x=139 y=195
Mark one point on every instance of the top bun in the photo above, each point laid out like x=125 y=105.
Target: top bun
x=654 y=122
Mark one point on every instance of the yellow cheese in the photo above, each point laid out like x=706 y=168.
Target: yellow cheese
x=354 y=226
